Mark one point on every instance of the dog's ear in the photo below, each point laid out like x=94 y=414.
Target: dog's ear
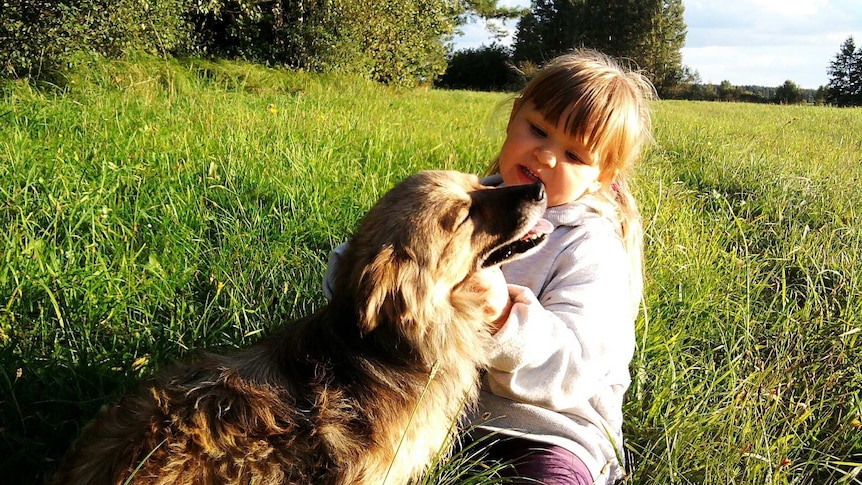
x=380 y=298
x=392 y=289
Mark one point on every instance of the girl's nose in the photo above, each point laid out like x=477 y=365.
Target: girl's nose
x=546 y=157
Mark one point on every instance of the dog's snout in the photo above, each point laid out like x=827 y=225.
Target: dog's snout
x=538 y=191
x=513 y=195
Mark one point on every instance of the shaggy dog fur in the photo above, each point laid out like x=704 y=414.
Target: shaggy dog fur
x=363 y=392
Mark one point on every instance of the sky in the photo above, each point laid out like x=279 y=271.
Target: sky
x=748 y=42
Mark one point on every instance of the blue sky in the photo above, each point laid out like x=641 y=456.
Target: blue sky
x=750 y=42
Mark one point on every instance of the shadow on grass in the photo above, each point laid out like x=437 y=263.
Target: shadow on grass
x=43 y=409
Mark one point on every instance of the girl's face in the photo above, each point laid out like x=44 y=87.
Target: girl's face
x=536 y=150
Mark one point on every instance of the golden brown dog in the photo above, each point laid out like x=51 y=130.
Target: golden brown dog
x=363 y=392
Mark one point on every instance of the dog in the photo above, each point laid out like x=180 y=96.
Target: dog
x=364 y=391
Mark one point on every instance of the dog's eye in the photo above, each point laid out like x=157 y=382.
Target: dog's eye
x=466 y=214
x=455 y=217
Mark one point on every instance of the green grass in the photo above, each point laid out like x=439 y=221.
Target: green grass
x=153 y=207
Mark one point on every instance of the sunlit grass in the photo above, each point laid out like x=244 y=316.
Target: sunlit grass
x=154 y=207
x=749 y=364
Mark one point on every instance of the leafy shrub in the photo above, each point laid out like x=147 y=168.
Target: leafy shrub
x=37 y=37
x=487 y=68
x=399 y=42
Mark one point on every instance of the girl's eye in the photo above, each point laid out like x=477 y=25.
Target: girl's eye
x=573 y=157
x=538 y=131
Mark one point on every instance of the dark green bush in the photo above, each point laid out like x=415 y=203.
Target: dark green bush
x=399 y=42
x=37 y=37
x=487 y=68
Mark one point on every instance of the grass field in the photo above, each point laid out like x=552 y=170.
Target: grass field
x=153 y=207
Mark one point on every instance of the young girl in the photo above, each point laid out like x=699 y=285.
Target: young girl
x=565 y=334
x=553 y=394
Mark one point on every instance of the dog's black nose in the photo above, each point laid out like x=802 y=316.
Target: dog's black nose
x=538 y=192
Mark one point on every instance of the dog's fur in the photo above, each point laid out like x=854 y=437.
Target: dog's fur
x=363 y=392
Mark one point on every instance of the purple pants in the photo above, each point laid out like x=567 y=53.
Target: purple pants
x=534 y=461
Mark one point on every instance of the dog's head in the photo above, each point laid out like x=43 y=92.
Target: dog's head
x=424 y=238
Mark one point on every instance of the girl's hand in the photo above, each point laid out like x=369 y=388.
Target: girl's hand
x=491 y=283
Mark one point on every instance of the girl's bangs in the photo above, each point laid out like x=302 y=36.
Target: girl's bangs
x=598 y=117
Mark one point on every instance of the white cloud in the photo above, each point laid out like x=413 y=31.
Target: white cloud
x=514 y=3
x=767 y=42
x=763 y=66
x=476 y=34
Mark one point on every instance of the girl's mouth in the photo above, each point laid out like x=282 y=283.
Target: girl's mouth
x=530 y=175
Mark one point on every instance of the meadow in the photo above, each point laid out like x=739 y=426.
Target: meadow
x=151 y=207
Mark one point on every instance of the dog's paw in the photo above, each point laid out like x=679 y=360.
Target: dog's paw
x=492 y=291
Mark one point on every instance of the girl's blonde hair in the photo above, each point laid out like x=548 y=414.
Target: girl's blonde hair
x=605 y=106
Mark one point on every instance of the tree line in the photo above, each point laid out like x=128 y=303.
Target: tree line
x=651 y=34
x=398 y=42
x=401 y=42
x=492 y=68
x=844 y=87
x=787 y=93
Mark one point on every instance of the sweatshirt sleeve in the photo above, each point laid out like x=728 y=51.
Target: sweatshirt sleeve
x=578 y=337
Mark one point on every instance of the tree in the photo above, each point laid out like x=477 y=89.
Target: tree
x=487 y=68
x=845 y=76
x=488 y=9
x=821 y=96
x=38 y=37
x=788 y=93
x=659 y=50
x=649 y=32
x=399 y=42
x=727 y=91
